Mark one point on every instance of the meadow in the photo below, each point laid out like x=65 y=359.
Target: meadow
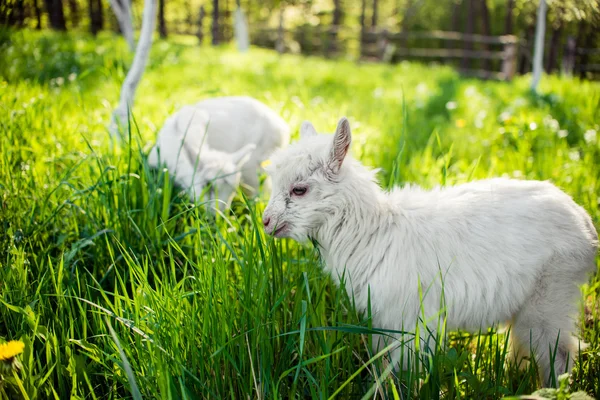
x=121 y=288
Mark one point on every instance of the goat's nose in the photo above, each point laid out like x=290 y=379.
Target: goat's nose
x=266 y=221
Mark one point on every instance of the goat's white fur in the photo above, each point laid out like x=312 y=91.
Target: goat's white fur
x=499 y=250
x=221 y=140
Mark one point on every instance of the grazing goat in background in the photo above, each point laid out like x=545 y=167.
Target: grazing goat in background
x=497 y=250
x=221 y=142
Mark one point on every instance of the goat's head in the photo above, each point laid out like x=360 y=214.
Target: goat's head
x=306 y=177
x=217 y=175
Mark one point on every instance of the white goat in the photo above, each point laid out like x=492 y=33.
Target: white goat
x=497 y=250
x=221 y=141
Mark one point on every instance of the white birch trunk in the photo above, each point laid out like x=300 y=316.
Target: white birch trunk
x=124 y=18
x=241 y=30
x=279 y=45
x=538 y=51
x=119 y=123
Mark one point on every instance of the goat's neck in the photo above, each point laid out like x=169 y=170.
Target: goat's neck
x=349 y=236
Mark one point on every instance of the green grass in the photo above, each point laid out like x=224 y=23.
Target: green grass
x=121 y=288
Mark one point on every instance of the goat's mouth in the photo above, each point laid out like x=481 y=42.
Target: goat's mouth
x=280 y=231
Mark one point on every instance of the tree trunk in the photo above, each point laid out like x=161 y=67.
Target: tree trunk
x=119 y=123
x=374 y=16
x=554 y=47
x=406 y=16
x=363 y=17
x=13 y=14
x=485 y=29
x=468 y=46
x=456 y=12
x=122 y=10
x=337 y=13
x=363 y=10
x=200 y=27
x=524 y=63
x=162 y=26
x=74 y=10
x=56 y=15
x=38 y=15
x=241 y=29
x=279 y=46
x=92 y=15
x=585 y=39
x=508 y=21
x=538 y=51
x=215 y=23
x=100 y=15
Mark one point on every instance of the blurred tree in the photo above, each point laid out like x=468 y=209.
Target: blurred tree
x=508 y=20
x=538 y=52
x=469 y=26
x=374 y=16
x=456 y=12
x=201 y=15
x=56 y=14
x=74 y=13
x=122 y=10
x=12 y=12
x=38 y=15
x=486 y=29
x=241 y=29
x=96 y=18
x=337 y=13
x=215 y=23
x=119 y=121
x=162 y=25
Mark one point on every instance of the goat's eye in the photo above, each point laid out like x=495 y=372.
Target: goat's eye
x=299 y=191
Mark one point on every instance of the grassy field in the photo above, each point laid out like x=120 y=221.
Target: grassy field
x=120 y=288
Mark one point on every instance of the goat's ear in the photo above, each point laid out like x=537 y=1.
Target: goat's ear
x=307 y=130
x=242 y=156
x=341 y=143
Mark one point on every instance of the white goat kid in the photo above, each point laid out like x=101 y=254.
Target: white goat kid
x=217 y=144
x=497 y=250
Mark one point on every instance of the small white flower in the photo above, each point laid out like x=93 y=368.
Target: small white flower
x=517 y=174
x=72 y=76
x=471 y=91
x=574 y=155
x=505 y=116
x=532 y=126
x=451 y=105
x=421 y=88
x=563 y=133
x=590 y=136
x=551 y=123
x=60 y=81
x=316 y=101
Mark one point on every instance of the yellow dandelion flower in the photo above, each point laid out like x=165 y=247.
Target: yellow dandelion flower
x=9 y=350
x=265 y=163
x=460 y=123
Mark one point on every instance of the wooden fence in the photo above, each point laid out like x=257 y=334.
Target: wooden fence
x=495 y=56
x=488 y=57
x=579 y=60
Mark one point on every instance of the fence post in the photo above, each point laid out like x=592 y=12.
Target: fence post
x=509 y=60
x=568 y=64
